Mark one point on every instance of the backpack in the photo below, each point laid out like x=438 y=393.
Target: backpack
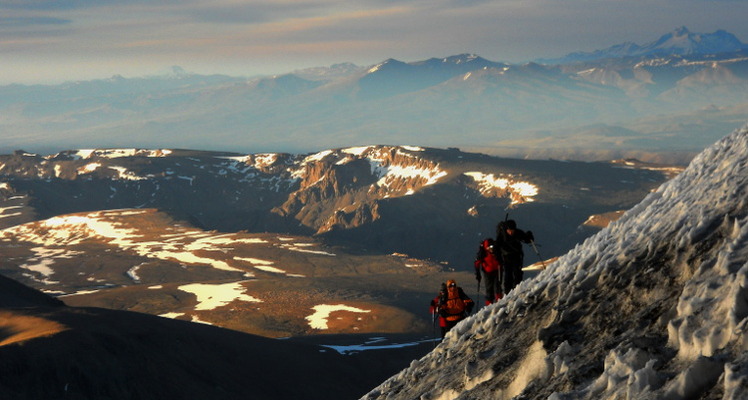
x=486 y=259
x=452 y=305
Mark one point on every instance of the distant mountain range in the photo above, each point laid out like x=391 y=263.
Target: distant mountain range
x=657 y=102
x=680 y=42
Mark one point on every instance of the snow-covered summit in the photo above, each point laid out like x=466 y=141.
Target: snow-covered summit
x=680 y=41
x=653 y=307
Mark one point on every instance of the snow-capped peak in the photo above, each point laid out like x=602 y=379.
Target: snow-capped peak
x=388 y=63
x=680 y=41
x=461 y=58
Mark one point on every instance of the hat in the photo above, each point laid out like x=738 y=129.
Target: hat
x=511 y=224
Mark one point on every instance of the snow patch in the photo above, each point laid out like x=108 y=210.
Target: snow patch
x=124 y=173
x=356 y=151
x=316 y=157
x=318 y=320
x=118 y=153
x=171 y=315
x=521 y=192
x=299 y=247
x=89 y=168
x=210 y=297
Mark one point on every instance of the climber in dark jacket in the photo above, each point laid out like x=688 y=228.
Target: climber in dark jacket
x=508 y=250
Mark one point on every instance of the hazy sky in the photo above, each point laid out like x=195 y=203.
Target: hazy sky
x=52 y=41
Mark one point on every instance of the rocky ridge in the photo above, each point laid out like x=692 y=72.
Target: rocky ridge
x=338 y=195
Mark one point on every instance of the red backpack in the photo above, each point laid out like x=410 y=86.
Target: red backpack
x=453 y=307
x=486 y=259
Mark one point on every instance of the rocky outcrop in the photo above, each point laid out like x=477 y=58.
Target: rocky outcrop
x=341 y=189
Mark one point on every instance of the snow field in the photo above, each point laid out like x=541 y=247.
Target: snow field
x=55 y=235
x=122 y=172
x=183 y=246
x=117 y=153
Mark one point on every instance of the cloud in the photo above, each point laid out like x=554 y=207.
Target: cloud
x=466 y=3
x=31 y=21
x=57 y=5
x=254 y=13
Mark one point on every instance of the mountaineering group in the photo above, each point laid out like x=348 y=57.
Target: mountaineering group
x=498 y=263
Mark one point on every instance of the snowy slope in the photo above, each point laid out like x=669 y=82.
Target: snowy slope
x=654 y=306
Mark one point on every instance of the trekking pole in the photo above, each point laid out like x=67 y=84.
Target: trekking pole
x=532 y=242
x=434 y=318
x=477 y=299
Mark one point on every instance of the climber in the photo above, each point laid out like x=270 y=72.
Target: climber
x=488 y=268
x=451 y=305
x=508 y=250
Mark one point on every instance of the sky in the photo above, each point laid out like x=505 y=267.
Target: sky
x=51 y=41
